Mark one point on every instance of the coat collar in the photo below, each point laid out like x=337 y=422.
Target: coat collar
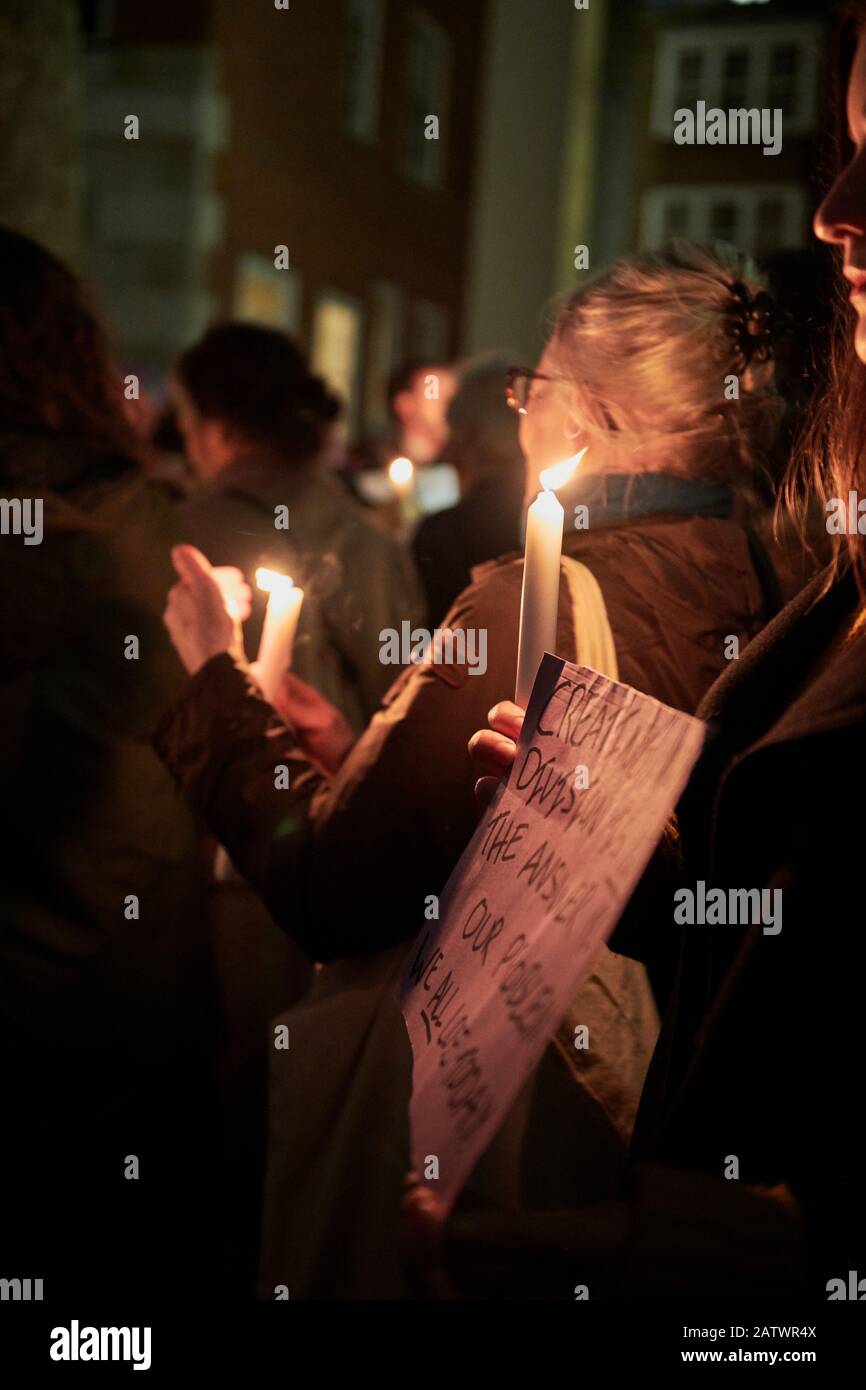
x=755 y=694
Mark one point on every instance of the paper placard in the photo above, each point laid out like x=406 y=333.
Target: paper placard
x=538 y=890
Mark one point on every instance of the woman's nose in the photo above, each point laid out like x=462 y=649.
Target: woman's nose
x=842 y=214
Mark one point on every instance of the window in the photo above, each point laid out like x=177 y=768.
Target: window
x=263 y=294
x=750 y=215
x=366 y=27
x=784 y=79
x=723 y=221
x=384 y=349
x=336 y=351
x=770 y=222
x=676 y=219
x=777 y=67
x=690 y=74
x=735 y=78
x=428 y=77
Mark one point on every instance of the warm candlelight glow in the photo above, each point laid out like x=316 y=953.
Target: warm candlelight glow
x=271 y=581
x=401 y=471
x=559 y=474
x=278 y=629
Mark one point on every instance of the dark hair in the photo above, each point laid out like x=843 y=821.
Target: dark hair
x=829 y=457
x=258 y=382
x=56 y=373
x=403 y=377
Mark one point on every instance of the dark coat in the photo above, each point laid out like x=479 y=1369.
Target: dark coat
x=107 y=1015
x=356 y=578
x=448 y=545
x=760 y=1053
x=221 y=741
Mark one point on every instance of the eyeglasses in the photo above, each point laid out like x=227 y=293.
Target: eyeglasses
x=518 y=389
x=518 y=385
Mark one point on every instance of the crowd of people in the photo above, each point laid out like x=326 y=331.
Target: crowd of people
x=154 y=1134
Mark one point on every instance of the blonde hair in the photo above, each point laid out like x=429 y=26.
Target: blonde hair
x=647 y=348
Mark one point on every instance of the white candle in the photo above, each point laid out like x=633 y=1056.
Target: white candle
x=278 y=631
x=539 y=599
x=401 y=472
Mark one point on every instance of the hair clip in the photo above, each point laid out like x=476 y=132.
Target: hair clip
x=750 y=322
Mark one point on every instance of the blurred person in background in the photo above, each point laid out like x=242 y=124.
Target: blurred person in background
x=635 y=371
x=417 y=396
x=255 y=422
x=108 y=1017
x=484 y=449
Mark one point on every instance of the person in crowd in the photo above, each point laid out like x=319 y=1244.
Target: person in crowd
x=418 y=395
x=368 y=829
x=484 y=449
x=737 y=1070
x=108 y=1017
x=255 y=422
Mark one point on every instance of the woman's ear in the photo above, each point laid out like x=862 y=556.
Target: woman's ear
x=574 y=431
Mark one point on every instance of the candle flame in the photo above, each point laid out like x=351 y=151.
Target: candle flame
x=401 y=470
x=559 y=474
x=272 y=581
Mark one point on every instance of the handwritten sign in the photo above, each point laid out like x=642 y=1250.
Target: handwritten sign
x=537 y=892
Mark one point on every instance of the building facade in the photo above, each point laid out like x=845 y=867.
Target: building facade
x=307 y=165
x=746 y=178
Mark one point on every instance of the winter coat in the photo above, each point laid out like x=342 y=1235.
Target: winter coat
x=386 y=805
x=748 y=1153
x=105 y=969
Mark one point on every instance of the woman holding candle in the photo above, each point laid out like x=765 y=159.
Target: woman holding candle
x=649 y=510
x=766 y=806
x=347 y=856
x=256 y=421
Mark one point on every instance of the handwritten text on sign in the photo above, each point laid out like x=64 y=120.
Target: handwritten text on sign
x=534 y=897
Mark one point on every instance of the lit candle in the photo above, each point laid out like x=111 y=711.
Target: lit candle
x=401 y=472
x=539 y=599
x=278 y=632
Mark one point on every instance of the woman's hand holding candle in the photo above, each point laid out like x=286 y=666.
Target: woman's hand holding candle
x=197 y=614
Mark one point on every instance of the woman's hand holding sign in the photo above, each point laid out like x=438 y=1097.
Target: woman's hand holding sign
x=492 y=750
